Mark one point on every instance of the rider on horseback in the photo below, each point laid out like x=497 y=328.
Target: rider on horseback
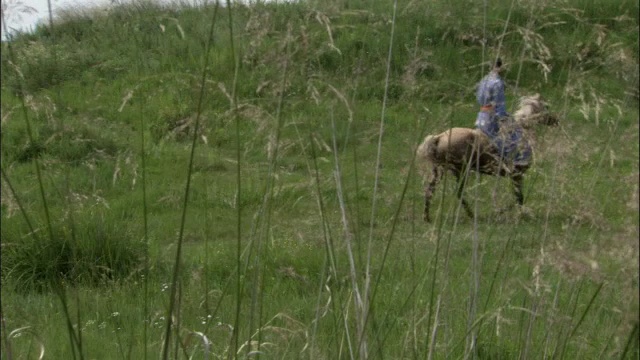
x=493 y=114
x=490 y=95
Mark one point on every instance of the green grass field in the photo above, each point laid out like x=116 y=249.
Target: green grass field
x=239 y=182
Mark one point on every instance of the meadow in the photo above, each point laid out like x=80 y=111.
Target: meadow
x=233 y=180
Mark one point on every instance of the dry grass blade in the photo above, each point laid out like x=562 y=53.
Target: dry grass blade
x=344 y=100
x=125 y=100
x=540 y=52
x=180 y=30
x=27 y=329
x=324 y=20
x=6 y=115
x=206 y=343
x=254 y=345
x=8 y=201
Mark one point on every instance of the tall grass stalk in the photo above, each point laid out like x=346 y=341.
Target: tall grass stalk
x=579 y=322
x=609 y=339
x=562 y=338
x=5 y=337
x=145 y=212
x=208 y=309
x=73 y=337
x=56 y=285
x=504 y=31
x=532 y=318
x=362 y=340
x=358 y=301
x=436 y=256
x=549 y=323
x=632 y=341
x=234 y=107
x=194 y=140
x=74 y=241
x=475 y=266
x=25 y=216
x=547 y=214
x=392 y=231
x=484 y=36
x=330 y=255
x=480 y=320
x=434 y=332
x=145 y=225
x=263 y=249
x=495 y=273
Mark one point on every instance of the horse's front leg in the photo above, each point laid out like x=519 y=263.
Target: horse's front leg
x=430 y=188
x=517 y=189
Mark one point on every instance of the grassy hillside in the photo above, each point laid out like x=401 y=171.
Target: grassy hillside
x=239 y=181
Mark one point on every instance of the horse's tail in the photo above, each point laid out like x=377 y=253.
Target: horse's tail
x=428 y=149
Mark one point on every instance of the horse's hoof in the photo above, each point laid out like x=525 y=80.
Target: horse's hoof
x=514 y=213
x=525 y=212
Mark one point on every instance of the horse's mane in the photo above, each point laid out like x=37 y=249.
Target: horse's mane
x=527 y=107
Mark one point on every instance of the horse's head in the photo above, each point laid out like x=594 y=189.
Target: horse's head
x=534 y=110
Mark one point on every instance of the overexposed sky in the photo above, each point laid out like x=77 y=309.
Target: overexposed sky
x=24 y=14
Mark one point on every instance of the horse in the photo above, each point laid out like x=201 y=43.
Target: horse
x=460 y=150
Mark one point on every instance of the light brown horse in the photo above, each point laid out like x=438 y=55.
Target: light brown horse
x=460 y=150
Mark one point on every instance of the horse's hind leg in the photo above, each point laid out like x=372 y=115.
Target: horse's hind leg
x=466 y=206
x=516 y=180
x=436 y=174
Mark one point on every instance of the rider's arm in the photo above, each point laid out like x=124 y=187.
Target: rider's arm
x=500 y=99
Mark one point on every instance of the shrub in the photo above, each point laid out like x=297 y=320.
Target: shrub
x=69 y=144
x=99 y=250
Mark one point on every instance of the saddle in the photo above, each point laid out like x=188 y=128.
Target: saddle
x=506 y=143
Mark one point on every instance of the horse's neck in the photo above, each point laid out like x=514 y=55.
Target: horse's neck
x=526 y=121
x=525 y=116
x=523 y=120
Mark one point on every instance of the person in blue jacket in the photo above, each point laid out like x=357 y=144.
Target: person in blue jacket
x=493 y=113
x=490 y=96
